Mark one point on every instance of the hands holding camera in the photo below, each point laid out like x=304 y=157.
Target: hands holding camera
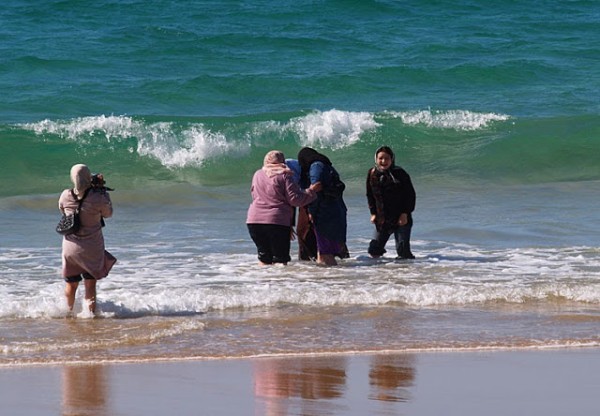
x=99 y=183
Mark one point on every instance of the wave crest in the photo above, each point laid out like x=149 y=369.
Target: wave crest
x=333 y=129
x=453 y=119
x=173 y=145
x=191 y=143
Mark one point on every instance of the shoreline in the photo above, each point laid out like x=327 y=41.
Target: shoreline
x=297 y=355
x=549 y=382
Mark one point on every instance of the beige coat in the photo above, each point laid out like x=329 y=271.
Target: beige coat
x=83 y=252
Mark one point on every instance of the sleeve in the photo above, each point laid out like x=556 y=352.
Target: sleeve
x=295 y=196
x=61 y=206
x=63 y=199
x=107 y=208
x=316 y=172
x=410 y=196
x=370 y=197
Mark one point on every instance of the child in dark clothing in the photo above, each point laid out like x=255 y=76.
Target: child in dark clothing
x=391 y=199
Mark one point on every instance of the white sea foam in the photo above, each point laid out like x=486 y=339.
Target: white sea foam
x=84 y=127
x=333 y=129
x=166 y=142
x=451 y=119
x=177 y=146
x=178 y=279
x=197 y=144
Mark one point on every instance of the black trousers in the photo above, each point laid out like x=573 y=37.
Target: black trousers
x=272 y=242
x=402 y=237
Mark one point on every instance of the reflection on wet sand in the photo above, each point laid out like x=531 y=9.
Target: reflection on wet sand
x=84 y=390
x=391 y=376
x=298 y=385
x=278 y=382
x=318 y=381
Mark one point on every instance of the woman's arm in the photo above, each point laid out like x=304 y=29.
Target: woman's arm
x=317 y=173
x=107 y=208
x=410 y=196
x=370 y=196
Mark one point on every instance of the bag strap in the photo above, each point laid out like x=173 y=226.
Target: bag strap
x=80 y=201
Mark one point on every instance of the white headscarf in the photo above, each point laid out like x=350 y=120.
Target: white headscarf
x=81 y=176
x=274 y=164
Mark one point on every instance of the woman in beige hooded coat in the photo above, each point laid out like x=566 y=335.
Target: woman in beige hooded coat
x=83 y=254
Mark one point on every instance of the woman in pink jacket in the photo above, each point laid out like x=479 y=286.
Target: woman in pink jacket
x=270 y=215
x=83 y=254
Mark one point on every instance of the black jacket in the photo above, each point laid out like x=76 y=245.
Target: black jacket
x=390 y=193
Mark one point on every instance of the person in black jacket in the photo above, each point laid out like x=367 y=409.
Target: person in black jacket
x=391 y=197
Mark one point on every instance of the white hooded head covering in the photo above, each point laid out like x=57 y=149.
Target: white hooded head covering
x=81 y=176
x=274 y=163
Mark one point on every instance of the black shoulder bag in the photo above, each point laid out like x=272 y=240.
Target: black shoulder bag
x=69 y=223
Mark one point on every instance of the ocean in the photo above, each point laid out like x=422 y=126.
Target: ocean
x=493 y=110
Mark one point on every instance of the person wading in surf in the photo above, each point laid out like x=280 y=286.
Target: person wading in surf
x=83 y=254
x=391 y=198
x=327 y=215
x=270 y=215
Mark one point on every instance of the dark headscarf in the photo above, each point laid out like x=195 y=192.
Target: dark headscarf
x=307 y=156
x=389 y=151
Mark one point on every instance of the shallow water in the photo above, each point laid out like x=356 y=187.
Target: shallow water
x=492 y=110
x=190 y=286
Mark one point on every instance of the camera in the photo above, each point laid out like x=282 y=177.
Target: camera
x=99 y=183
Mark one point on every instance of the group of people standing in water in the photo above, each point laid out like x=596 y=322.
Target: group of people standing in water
x=311 y=184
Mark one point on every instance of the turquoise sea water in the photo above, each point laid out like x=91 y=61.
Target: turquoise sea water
x=492 y=109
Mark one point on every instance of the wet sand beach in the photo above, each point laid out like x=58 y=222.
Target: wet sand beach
x=540 y=382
